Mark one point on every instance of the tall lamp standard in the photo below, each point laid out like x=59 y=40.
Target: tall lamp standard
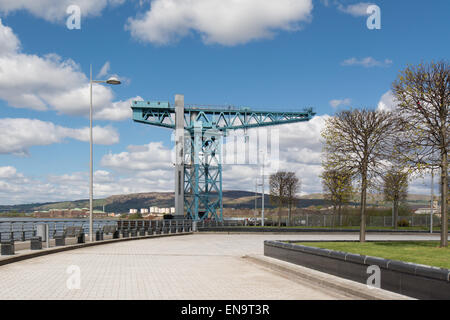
x=263 y=189
x=112 y=81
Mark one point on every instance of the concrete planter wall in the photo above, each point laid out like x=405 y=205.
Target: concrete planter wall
x=413 y=280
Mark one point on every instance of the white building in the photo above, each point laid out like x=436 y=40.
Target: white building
x=132 y=211
x=427 y=211
x=154 y=210
x=144 y=210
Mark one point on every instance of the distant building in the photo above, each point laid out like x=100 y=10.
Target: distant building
x=66 y=213
x=144 y=211
x=132 y=211
x=427 y=211
x=154 y=209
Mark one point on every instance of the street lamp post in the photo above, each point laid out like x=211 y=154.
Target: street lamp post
x=263 y=189
x=112 y=81
x=432 y=200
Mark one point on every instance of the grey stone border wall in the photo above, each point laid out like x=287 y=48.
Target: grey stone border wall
x=413 y=280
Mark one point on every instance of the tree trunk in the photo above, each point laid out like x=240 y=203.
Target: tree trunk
x=362 y=228
x=289 y=216
x=339 y=215
x=279 y=215
x=444 y=195
x=395 y=214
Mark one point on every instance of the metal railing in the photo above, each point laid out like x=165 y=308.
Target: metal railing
x=328 y=221
x=23 y=230
x=146 y=224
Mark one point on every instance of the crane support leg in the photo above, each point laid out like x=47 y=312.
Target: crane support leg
x=203 y=175
x=179 y=157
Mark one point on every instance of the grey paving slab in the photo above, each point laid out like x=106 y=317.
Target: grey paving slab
x=200 y=266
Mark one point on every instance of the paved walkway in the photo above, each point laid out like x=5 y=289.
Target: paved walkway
x=199 y=266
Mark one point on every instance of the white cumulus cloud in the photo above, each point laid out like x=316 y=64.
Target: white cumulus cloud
x=117 y=111
x=51 y=83
x=300 y=150
x=104 y=71
x=226 y=22
x=18 y=135
x=55 y=10
x=340 y=102
x=367 y=62
x=357 y=10
x=387 y=102
x=147 y=168
x=8 y=40
x=153 y=156
x=8 y=172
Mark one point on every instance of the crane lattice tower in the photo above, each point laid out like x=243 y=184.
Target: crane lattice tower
x=198 y=136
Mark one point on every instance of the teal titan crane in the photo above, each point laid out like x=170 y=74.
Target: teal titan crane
x=198 y=136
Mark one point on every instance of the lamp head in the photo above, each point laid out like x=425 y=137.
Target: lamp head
x=113 y=81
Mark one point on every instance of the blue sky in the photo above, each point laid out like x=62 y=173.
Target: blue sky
x=260 y=54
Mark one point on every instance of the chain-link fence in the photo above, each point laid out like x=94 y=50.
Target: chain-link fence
x=335 y=221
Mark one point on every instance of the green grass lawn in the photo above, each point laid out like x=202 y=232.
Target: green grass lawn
x=423 y=252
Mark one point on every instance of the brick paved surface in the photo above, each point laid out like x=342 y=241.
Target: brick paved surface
x=200 y=266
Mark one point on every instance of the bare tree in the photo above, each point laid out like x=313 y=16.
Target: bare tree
x=293 y=185
x=422 y=94
x=395 y=189
x=355 y=142
x=337 y=188
x=278 y=186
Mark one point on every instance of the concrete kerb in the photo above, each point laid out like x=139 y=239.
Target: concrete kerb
x=419 y=281
x=24 y=256
x=316 y=278
x=407 y=267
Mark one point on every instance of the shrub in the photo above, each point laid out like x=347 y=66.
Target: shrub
x=403 y=223
x=135 y=216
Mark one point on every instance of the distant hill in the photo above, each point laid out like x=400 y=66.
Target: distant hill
x=232 y=199
x=122 y=203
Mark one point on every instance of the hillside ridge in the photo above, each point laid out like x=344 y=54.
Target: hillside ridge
x=231 y=199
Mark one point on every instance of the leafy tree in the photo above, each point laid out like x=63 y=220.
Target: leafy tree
x=278 y=187
x=337 y=188
x=355 y=142
x=422 y=94
x=395 y=189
